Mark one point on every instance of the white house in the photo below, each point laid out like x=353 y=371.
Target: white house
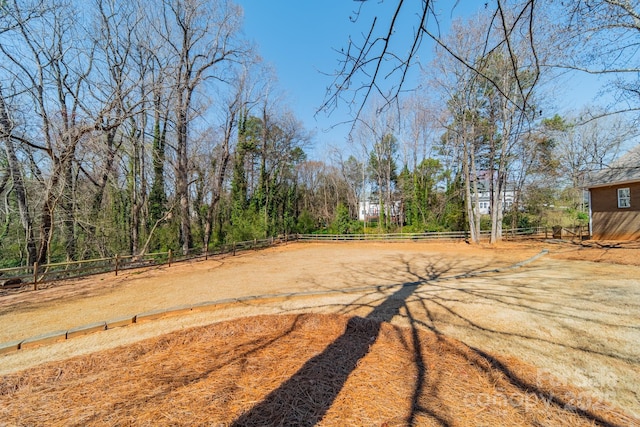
x=484 y=197
x=370 y=209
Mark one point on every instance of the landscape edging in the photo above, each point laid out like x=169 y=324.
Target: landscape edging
x=122 y=321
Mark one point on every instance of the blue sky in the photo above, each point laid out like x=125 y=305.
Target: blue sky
x=299 y=39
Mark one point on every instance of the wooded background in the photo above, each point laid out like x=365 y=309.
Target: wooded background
x=140 y=126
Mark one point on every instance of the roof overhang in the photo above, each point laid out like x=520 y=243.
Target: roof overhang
x=612 y=184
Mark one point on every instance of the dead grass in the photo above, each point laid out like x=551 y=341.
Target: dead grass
x=303 y=369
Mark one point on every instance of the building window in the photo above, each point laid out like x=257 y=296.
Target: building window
x=624 y=198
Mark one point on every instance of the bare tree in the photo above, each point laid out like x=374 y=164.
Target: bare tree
x=117 y=87
x=378 y=59
x=53 y=69
x=377 y=138
x=601 y=37
x=200 y=37
x=314 y=201
x=459 y=86
x=588 y=147
x=419 y=129
x=15 y=172
x=352 y=173
x=492 y=109
x=239 y=100
x=110 y=94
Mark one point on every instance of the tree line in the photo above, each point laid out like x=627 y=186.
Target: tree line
x=130 y=127
x=491 y=87
x=120 y=123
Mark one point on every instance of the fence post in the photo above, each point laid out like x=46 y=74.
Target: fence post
x=117 y=263
x=170 y=257
x=255 y=244
x=234 y=248
x=35 y=276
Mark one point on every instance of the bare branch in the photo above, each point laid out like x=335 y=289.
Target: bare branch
x=365 y=60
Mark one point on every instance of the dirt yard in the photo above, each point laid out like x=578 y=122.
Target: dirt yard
x=576 y=321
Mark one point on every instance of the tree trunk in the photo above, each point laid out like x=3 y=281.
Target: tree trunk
x=18 y=183
x=471 y=211
x=182 y=179
x=96 y=207
x=68 y=214
x=158 y=197
x=46 y=227
x=136 y=202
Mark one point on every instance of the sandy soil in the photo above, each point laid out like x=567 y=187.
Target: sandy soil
x=574 y=320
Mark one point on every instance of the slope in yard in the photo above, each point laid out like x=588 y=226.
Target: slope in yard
x=296 y=370
x=575 y=321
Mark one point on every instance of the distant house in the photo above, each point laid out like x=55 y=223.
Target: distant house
x=484 y=197
x=614 y=200
x=370 y=210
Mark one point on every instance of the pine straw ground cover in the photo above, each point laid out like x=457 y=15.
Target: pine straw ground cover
x=296 y=370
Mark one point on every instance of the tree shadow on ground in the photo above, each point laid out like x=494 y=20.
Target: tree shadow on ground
x=170 y=379
x=428 y=288
x=346 y=351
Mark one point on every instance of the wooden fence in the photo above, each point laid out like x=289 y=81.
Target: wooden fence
x=34 y=275
x=518 y=233
x=18 y=277
x=570 y=233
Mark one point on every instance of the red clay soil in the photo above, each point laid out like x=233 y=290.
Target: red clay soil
x=300 y=370
x=624 y=252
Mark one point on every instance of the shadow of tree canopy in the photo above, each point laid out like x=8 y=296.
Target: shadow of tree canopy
x=346 y=351
x=314 y=394
x=394 y=366
x=319 y=394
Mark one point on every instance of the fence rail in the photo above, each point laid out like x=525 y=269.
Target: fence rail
x=436 y=235
x=17 y=277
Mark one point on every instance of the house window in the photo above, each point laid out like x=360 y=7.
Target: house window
x=624 y=198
